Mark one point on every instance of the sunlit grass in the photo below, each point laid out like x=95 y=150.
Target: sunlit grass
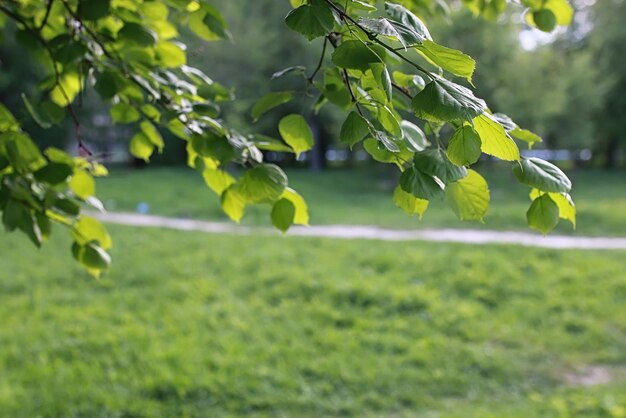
x=197 y=325
x=364 y=197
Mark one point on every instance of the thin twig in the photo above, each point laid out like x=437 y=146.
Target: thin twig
x=321 y=61
x=57 y=76
x=373 y=37
x=46 y=16
x=402 y=90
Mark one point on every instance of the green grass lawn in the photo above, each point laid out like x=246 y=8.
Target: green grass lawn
x=364 y=197
x=197 y=325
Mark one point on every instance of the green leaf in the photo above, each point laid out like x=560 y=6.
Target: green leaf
x=137 y=34
x=270 y=101
x=403 y=15
x=16 y=215
x=383 y=79
x=436 y=163
x=414 y=138
x=542 y=175
x=267 y=143
x=389 y=143
x=562 y=10
x=89 y=230
x=409 y=203
x=311 y=20
x=214 y=146
x=451 y=60
x=389 y=121
x=494 y=139
x=82 y=184
x=217 y=180
x=262 y=183
x=464 y=147
x=65 y=91
x=141 y=147
x=296 y=133
x=354 y=129
x=7 y=121
x=21 y=151
x=34 y=113
x=301 y=216
x=544 y=19
x=387 y=27
x=567 y=208
x=443 y=100
x=469 y=197
x=208 y=23
x=93 y=9
x=170 y=54
x=526 y=136
x=543 y=214
x=420 y=185
x=379 y=151
x=283 y=213
x=54 y=173
x=124 y=113
x=233 y=203
x=107 y=84
x=298 y=69
x=356 y=55
x=153 y=135
x=92 y=257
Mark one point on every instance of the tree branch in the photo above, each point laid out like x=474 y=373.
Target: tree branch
x=372 y=36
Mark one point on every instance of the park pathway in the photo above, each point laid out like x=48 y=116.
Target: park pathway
x=464 y=236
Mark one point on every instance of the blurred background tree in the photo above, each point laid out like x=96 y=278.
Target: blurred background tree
x=582 y=68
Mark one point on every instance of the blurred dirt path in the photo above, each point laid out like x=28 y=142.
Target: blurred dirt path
x=464 y=236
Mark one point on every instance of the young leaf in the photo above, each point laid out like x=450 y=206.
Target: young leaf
x=301 y=215
x=383 y=79
x=469 y=197
x=409 y=203
x=494 y=139
x=141 y=147
x=526 y=136
x=233 y=203
x=152 y=134
x=88 y=230
x=296 y=132
x=124 y=113
x=388 y=120
x=82 y=184
x=217 y=180
x=450 y=60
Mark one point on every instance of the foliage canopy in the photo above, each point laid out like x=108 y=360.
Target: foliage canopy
x=384 y=70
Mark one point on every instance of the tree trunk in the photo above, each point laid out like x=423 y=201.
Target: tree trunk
x=318 y=161
x=610 y=161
